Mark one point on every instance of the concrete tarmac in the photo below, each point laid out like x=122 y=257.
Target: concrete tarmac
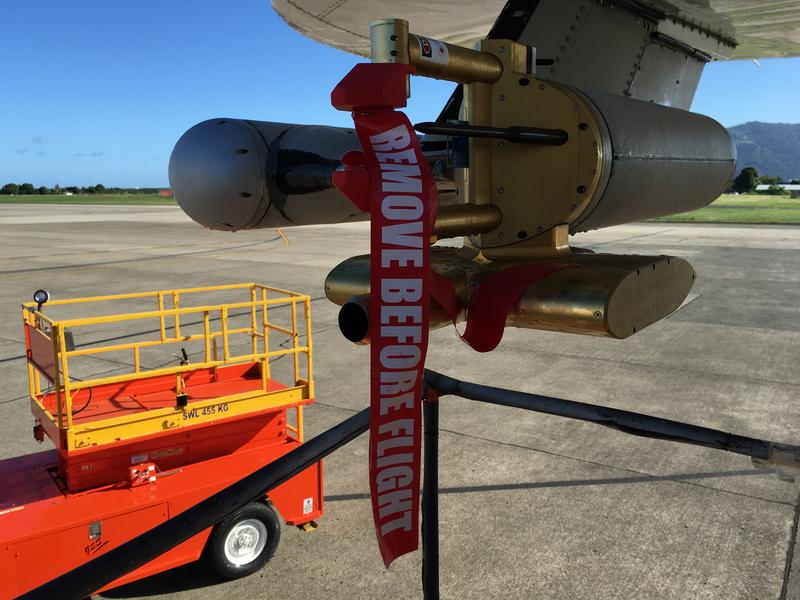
x=532 y=506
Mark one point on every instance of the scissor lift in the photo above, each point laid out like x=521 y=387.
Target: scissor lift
x=139 y=444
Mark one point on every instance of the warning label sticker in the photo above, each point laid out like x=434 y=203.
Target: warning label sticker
x=308 y=506
x=433 y=50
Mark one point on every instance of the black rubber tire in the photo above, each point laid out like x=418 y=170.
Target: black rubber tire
x=214 y=553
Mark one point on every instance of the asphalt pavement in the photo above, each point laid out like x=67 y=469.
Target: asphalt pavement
x=532 y=506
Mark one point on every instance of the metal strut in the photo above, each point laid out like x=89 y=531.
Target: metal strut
x=762 y=451
x=775 y=454
x=430 y=498
x=516 y=134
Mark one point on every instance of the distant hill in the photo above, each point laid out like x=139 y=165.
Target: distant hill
x=772 y=148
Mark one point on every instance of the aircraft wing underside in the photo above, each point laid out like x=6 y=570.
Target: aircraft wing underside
x=652 y=50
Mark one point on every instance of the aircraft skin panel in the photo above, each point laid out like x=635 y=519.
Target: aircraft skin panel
x=757 y=28
x=615 y=49
x=667 y=77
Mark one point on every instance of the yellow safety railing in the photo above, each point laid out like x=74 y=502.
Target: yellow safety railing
x=49 y=354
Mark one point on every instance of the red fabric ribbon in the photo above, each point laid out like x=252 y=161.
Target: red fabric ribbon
x=391 y=179
x=492 y=303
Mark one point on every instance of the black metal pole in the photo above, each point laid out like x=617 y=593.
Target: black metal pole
x=623 y=420
x=515 y=134
x=430 y=501
x=93 y=575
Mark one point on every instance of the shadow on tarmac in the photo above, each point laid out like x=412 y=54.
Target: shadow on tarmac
x=572 y=483
x=194 y=576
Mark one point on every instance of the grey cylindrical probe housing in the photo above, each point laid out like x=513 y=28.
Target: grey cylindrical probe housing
x=663 y=161
x=232 y=174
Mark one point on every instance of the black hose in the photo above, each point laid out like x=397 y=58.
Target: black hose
x=622 y=420
x=515 y=134
x=430 y=502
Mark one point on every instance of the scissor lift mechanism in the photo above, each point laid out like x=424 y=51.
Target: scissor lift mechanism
x=140 y=445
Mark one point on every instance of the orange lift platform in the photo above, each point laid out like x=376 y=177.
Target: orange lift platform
x=154 y=401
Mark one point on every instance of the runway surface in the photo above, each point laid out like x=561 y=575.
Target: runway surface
x=532 y=506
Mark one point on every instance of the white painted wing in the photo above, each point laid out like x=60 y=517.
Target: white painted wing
x=344 y=24
x=760 y=28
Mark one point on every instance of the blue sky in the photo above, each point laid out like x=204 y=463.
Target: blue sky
x=99 y=91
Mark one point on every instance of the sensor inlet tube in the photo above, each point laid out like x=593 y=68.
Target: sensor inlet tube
x=232 y=174
x=663 y=161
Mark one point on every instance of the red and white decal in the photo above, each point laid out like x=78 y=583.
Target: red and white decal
x=433 y=50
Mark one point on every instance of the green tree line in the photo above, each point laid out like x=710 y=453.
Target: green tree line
x=748 y=178
x=28 y=189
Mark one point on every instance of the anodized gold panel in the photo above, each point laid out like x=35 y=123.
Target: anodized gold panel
x=539 y=187
x=606 y=295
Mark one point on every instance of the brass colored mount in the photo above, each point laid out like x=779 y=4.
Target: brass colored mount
x=539 y=156
x=391 y=42
x=538 y=189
